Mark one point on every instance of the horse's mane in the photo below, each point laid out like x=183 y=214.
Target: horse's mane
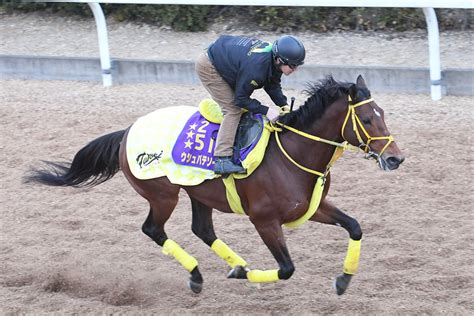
x=322 y=94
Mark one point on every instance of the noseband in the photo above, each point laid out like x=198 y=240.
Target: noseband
x=357 y=124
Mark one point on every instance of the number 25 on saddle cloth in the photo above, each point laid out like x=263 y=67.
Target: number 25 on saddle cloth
x=178 y=142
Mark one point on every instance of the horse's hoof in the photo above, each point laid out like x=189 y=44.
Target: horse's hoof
x=195 y=286
x=341 y=283
x=238 y=272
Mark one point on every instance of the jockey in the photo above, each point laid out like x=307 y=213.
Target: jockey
x=231 y=69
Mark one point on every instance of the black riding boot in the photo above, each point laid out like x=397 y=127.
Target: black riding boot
x=225 y=165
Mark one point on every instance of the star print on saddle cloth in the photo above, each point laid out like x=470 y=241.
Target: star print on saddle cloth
x=195 y=144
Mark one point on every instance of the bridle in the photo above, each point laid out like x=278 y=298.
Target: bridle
x=357 y=124
x=340 y=147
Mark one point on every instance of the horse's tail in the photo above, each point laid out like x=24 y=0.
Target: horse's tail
x=95 y=163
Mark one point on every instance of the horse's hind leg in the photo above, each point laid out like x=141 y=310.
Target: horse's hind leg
x=329 y=214
x=272 y=235
x=203 y=227
x=163 y=197
x=161 y=207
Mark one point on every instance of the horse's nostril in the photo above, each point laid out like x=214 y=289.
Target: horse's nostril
x=394 y=161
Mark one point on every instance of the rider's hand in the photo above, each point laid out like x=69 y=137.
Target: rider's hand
x=285 y=109
x=273 y=113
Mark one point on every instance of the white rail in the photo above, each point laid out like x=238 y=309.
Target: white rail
x=435 y=60
x=427 y=6
x=103 y=43
x=460 y=4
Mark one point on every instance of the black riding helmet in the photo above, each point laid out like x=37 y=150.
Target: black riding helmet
x=290 y=50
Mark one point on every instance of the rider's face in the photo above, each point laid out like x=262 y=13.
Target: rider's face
x=288 y=70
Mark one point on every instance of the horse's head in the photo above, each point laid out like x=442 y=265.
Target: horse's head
x=364 y=127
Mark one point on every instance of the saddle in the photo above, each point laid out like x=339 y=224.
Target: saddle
x=196 y=143
x=248 y=133
x=178 y=142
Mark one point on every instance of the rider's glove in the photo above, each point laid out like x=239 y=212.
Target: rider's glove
x=273 y=113
x=285 y=109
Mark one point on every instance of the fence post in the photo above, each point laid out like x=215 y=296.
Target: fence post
x=103 y=43
x=433 y=41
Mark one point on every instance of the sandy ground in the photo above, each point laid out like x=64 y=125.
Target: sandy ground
x=46 y=35
x=66 y=251
x=81 y=251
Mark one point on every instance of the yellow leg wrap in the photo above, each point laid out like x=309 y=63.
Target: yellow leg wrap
x=227 y=254
x=351 y=262
x=258 y=276
x=172 y=249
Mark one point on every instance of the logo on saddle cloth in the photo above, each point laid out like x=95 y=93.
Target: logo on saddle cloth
x=196 y=143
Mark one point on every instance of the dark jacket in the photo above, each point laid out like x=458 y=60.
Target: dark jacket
x=247 y=64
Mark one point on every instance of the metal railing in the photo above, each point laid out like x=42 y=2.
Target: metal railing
x=427 y=6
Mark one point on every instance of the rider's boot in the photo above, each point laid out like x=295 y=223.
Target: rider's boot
x=225 y=165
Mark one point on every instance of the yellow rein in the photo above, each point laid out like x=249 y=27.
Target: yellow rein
x=340 y=147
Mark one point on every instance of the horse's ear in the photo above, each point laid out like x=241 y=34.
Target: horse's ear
x=361 y=82
x=353 y=91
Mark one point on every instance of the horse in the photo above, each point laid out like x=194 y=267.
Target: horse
x=278 y=192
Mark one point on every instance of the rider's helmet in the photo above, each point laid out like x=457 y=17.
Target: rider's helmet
x=290 y=50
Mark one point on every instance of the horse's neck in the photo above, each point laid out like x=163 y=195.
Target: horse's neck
x=315 y=154
x=308 y=153
x=329 y=129
x=329 y=126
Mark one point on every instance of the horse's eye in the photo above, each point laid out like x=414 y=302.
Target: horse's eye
x=366 y=121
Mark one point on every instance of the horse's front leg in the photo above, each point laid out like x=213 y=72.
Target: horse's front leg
x=272 y=235
x=329 y=214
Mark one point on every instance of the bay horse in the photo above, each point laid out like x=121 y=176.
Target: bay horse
x=278 y=192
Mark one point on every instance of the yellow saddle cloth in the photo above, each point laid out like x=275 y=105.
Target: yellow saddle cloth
x=151 y=140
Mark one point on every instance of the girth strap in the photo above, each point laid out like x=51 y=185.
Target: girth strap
x=232 y=196
x=236 y=206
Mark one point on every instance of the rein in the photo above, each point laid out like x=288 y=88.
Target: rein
x=340 y=148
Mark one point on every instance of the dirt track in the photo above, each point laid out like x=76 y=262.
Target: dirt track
x=81 y=251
